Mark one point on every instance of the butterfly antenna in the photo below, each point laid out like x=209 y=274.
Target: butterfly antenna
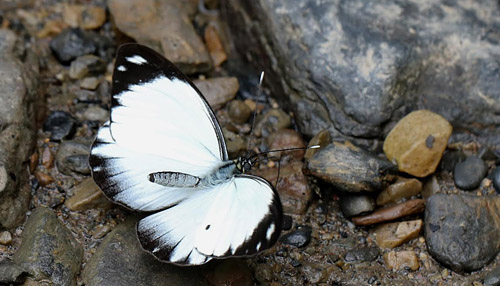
x=255 y=111
x=286 y=150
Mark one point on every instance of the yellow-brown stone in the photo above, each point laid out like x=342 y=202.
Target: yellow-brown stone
x=394 y=234
x=402 y=189
x=401 y=260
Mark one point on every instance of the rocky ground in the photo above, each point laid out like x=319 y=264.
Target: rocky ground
x=413 y=201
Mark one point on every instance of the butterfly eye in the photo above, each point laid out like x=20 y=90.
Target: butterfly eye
x=247 y=166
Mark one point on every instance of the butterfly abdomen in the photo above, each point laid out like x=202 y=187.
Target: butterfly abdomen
x=174 y=179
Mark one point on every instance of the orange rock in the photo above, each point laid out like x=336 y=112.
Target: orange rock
x=43 y=179
x=214 y=46
x=33 y=162
x=400 y=210
x=391 y=235
x=47 y=158
x=403 y=188
x=401 y=260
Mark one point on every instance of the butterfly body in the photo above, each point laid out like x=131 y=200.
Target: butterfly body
x=162 y=151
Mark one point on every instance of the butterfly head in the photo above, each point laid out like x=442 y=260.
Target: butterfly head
x=244 y=164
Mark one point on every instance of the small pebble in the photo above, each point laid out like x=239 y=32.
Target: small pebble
x=352 y=205
x=401 y=260
x=47 y=158
x=86 y=65
x=430 y=187
x=43 y=179
x=101 y=230
x=5 y=238
x=214 y=45
x=401 y=189
x=391 y=235
x=71 y=43
x=272 y=121
x=235 y=143
x=96 y=113
x=72 y=156
x=410 y=207
x=450 y=159
x=60 y=124
x=362 y=254
x=219 y=90
x=87 y=195
x=90 y=83
x=297 y=238
x=493 y=277
x=3 y=178
x=33 y=162
x=287 y=222
x=469 y=173
x=323 y=139
x=238 y=111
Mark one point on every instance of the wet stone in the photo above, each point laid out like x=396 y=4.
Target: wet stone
x=286 y=138
x=48 y=249
x=72 y=156
x=87 y=195
x=5 y=237
x=493 y=277
x=322 y=139
x=394 y=234
x=462 y=231
x=72 y=43
x=238 y=111
x=271 y=121
x=362 y=254
x=417 y=142
x=60 y=124
x=120 y=252
x=401 y=260
x=219 y=90
x=401 y=189
x=297 y=238
x=10 y=273
x=495 y=177
x=469 y=173
x=410 y=207
x=352 y=205
x=350 y=168
x=450 y=159
x=86 y=65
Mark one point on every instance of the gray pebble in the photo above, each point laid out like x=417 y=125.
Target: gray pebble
x=298 y=238
x=352 y=205
x=469 y=173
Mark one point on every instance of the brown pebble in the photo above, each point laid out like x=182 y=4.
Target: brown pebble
x=238 y=111
x=286 y=138
x=390 y=235
x=5 y=238
x=43 y=179
x=214 y=46
x=401 y=260
x=218 y=90
x=401 y=189
x=87 y=195
x=47 y=158
x=323 y=139
x=400 y=210
x=101 y=230
x=33 y=162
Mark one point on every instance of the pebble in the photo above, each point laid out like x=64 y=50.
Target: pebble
x=43 y=178
x=3 y=178
x=350 y=169
x=33 y=164
x=72 y=156
x=5 y=237
x=493 y=277
x=495 y=177
x=47 y=158
x=87 y=195
x=84 y=16
x=285 y=139
x=391 y=235
x=90 y=83
x=450 y=159
x=86 y=65
x=417 y=142
x=462 y=231
x=294 y=191
x=101 y=230
x=430 y=187
x=297 y=238
x=362 y=254
x=401 y=260
x=235 y=143
x=238 y=111
x=401 y=189
x=287 y=222
x=60 y=124
x=323 y=139
x=469 y=173
x=214 y=45
x=72 y=43
x=272 y=121
x=218 y=90
x=354 y=204
x=410 y=207
x=96 y=113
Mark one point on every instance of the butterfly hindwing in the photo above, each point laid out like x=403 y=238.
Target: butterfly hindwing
x=158 y=120
x=240 y=217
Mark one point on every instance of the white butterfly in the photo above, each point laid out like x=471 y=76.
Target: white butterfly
x=163 y=151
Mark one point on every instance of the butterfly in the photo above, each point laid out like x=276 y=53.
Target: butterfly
x=163 y=151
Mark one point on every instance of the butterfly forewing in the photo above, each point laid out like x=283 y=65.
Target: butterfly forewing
x=160 y=122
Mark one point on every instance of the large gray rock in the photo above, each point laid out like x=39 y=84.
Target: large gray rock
x=18 y=85
x=49 y=250
x=463 y=232
x=120 y=260
x=355 y=67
